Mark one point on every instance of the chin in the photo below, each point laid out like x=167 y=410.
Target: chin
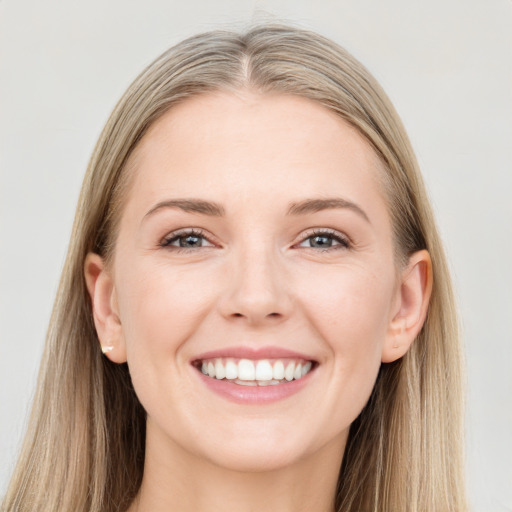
x=256 y=451
x=254 y=459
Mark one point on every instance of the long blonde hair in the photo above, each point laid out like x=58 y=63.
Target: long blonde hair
x=84 y=448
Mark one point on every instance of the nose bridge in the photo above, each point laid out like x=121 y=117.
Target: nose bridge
x=257 y=288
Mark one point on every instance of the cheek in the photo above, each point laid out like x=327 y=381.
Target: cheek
x=163 y=301
x=351 y=307
x=161 y=310
x=351 y=314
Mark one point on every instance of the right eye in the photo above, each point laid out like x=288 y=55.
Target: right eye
x=184 y=240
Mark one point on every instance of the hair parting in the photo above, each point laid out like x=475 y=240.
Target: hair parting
x=84 y=447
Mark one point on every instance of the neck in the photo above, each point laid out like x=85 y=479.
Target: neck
x=189 y=483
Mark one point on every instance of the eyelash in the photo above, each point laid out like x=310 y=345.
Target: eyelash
x=343 y=240
x=173 y=237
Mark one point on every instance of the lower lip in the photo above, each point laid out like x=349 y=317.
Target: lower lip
x=254 y=394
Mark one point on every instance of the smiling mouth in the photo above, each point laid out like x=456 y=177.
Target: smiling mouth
x=261 y=372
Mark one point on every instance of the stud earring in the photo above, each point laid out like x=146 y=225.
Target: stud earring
x=107 y=348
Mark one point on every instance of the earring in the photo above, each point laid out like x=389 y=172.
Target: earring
x=107 y=348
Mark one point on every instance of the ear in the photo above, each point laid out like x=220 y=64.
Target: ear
x=411 y=305
x=104 y=307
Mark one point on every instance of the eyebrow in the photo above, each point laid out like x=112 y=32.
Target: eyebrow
x=304 y=207
x=190 y=205
x=317 y=205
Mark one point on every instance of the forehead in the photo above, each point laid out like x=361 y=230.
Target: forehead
x=247 y=146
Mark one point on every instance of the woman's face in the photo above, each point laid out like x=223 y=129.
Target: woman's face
x=254 y=239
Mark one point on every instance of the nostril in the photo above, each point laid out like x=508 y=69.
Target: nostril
x=270 y=315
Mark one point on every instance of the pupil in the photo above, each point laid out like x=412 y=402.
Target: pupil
x=190 y=241
x=321 y=241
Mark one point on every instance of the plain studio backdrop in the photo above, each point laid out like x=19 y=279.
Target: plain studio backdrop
x=447 y=66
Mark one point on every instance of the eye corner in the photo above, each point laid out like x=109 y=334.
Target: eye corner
x=167 y=242
x=329 y=235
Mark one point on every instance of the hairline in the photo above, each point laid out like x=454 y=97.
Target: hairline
x=124 y=184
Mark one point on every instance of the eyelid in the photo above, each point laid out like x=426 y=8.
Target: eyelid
x=165 y=242
x=344 y=240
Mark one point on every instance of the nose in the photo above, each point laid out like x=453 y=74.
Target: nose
x=257 y=290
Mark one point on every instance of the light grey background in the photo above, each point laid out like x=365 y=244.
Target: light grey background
x=447 y=66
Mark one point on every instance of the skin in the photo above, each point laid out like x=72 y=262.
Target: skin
x=259 y=279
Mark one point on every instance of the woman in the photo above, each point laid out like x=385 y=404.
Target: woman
x=255 y=312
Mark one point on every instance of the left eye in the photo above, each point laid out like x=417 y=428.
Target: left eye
x=325 y=240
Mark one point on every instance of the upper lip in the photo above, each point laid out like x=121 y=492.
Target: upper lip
x=244 y=352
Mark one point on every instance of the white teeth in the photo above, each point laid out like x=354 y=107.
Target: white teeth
x=278 y=372
x=263 y=370
x=231 y=370
x=256 y=373
x=220 y=371
x=288 y=373
x=257 y=382
x=246 y=382
x=246 y=370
